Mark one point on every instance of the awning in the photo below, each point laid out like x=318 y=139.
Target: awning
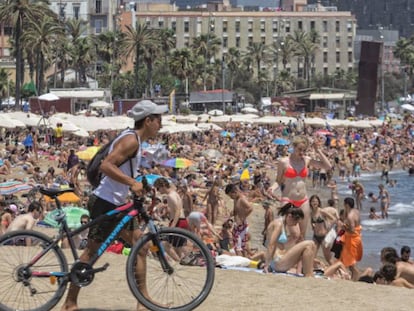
x=336 y=96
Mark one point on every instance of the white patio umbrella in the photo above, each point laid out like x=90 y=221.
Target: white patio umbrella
x=215 y=112
x=100 y=104
x=48 y=97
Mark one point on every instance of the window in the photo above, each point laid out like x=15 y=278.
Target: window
x=337 y=26
x=186 y=26
x=237 y=42
x=174 y=26
x=300 y=25
x=325 y=57
x=325 y=42
x=263 y=39
x=98 y=6
x=76 y=9
x=350 y=41
x=250 y=26
x=338 y=42
x=274 y=26
x=338 y=57
x=98 y=26
x=250 y=41
x=237 y=26
x=262 y=26
x=160 y=24
x=312 y=25
x=350 y=57
x=325 y=26
x=349 y=26
x=325 y=71
x=225 y=25
x=225 y=42
x=287 y=27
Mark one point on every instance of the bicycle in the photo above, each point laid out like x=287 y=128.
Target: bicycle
x=34 y=271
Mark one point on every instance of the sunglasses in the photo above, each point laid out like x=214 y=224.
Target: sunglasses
x=84 y=222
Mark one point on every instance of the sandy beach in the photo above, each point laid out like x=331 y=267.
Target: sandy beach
x=252 y=290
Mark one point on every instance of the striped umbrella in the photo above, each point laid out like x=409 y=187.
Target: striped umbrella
x=177 y=162
x=13 y=186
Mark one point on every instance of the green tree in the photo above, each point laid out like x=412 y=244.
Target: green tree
x=181 y=65
x=132 y=42
x=40 y=36
x=233 y=63
x=17 y=13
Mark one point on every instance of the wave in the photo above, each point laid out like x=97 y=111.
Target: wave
x=380 y=224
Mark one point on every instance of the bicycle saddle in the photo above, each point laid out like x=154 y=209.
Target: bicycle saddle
x=52 y=192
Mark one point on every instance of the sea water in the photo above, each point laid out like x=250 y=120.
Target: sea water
x=398 y=229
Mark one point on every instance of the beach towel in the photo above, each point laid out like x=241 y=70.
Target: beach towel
x=352 y=247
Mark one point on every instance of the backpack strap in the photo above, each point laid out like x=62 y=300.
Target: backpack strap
x=135 y=153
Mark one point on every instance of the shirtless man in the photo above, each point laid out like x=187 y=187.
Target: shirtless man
x=292 y=172
x=28 y=220
x=352 y=241
x=241 y=210
x=174 y=201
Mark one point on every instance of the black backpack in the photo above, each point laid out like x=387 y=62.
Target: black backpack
x=93 y=172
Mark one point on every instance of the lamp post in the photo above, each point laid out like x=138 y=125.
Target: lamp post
x=223 y=83
x=210 y=27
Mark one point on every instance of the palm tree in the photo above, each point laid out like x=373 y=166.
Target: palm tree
x=259 y=54
x=132 y=42
x=151 y=50
x=168 y=42
x=82 y=55
x=40 y=36
x=17 y=13
x=305 y=48
x=233 y=62
x=206 y=46
x=181 y=65
x=4 y=83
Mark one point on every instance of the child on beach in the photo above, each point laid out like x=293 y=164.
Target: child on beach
x=373 y=214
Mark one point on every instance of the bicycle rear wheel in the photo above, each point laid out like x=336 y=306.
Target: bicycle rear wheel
x=184 y=287
x=27 y=282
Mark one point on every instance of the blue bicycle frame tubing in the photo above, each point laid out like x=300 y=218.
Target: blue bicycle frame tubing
x=112 y=236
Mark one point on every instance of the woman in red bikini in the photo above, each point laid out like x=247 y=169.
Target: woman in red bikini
x=291 y=176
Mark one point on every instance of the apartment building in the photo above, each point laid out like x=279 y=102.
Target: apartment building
x=241 y=29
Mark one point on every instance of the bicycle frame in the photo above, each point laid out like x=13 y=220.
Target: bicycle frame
x=64 y=231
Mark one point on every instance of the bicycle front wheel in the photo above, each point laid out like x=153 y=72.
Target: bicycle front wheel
x=27 y=281
x=182 y=281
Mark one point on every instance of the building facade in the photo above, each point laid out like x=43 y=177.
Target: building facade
x=241 y=29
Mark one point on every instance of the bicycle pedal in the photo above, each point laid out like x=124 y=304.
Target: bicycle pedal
x=103 y=268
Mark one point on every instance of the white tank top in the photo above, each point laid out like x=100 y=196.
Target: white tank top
x=113 y=191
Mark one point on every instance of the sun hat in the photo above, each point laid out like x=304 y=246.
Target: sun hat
x=144 y=108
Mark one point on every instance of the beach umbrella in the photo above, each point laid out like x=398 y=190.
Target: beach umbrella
x=281 y=141
x=212 y=153
x=68 y=197
x=215 y=112
x=324 y=132
x=14 y=186
x=48 y=97
x=151 y=178
x=88 y=153
x=227 y=134
x=73 y=216
x=177 y=162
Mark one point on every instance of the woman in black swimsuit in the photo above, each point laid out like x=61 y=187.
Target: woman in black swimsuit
x=322 y=221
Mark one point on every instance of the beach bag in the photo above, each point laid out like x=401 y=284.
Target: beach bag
x=329 y=238
x=93 y=172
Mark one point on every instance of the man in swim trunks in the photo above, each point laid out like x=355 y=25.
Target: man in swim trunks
x=352 y=242
x=241 y=210
x=292 y=172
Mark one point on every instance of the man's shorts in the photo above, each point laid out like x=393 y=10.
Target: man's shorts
x=100 y=231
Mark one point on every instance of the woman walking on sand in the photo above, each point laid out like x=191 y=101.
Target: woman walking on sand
x=292 y=172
